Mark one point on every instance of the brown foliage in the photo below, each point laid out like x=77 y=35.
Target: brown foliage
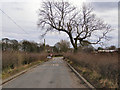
x=106 y=64
x=12 y=59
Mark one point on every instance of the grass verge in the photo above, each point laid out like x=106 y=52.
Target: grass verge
x=10 y=72
x=96 y=70
x=15 y=62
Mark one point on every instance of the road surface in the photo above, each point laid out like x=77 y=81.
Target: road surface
x=52 y=74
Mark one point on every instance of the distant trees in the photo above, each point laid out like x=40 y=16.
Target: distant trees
x=9 y=44
x=112 y=47
x=30 y=46
x=42 y=47
x=62 y=46
x=14 y=44
x=5 y=43
x=100 y=48
x=27 y=46
x=86 y=46
x=79 y=25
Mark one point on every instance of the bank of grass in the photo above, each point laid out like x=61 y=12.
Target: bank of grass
x=100 y=69
x=15 y=62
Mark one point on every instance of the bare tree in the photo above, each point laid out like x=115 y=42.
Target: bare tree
x=79 y=25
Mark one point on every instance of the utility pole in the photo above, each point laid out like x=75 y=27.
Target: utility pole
x=44 y=44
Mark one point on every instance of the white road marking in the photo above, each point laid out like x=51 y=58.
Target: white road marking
x=55 y=64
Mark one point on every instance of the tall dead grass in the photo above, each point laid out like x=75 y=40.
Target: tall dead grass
x=14 y=59
x=105 y=64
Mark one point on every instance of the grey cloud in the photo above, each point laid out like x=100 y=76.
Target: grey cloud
x=28 y=19
x=18 y=9
x=14 y=5
x=104 y=6
x=19 y=6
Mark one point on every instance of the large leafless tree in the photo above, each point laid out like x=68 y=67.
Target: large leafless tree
x=79 y=25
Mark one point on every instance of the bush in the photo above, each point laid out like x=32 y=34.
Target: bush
x=12 y=59
x=106 y=64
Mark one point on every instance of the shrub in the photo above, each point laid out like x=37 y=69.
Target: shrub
x=12 y=59
x=106 y=64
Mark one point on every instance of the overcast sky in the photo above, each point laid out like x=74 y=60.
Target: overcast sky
x=25 y=14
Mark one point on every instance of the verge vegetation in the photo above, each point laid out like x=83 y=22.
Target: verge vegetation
x=100 y=69
x=14 y=62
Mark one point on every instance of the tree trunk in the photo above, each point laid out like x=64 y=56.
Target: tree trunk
x=74 y=43
x=75 y=49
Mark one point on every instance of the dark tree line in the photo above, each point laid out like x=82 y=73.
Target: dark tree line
x=8 y=44
x=62 y=46
x=27 y=46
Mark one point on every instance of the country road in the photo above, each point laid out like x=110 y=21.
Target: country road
x=52 y=74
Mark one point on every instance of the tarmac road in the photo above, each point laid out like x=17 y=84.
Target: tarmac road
x=52 y=74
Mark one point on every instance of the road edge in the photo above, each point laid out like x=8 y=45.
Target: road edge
x=80 y=77
x=18 y=74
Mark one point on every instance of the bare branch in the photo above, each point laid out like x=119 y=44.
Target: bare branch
x=78 y=24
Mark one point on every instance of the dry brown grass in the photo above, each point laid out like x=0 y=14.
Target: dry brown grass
x=13 y=61
x=101 y=68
